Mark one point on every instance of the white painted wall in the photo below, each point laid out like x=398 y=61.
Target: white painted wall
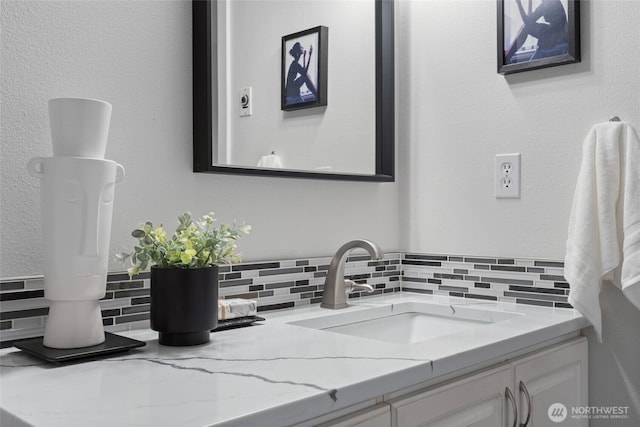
x=457 y=113
x=137 y=56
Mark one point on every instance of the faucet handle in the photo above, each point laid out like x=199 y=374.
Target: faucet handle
x=351 y=286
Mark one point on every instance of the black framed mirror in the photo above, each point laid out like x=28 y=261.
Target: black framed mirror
x=211 y=116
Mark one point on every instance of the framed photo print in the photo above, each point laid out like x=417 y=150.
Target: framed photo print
x=304 y=69
x=536 y=34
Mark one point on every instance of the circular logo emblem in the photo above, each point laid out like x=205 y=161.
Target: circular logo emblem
x=557 y=412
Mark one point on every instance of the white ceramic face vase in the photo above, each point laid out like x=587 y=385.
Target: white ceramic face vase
x=77 y=203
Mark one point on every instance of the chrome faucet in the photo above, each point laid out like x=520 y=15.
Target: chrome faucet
x=335 y=286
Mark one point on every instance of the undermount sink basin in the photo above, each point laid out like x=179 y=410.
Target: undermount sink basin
x=406 y=322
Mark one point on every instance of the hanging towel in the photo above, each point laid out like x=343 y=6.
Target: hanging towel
x=603 y=243
x=270 y=161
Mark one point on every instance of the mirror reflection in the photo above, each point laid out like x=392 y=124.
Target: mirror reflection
x=253 y=68
x=293 y=88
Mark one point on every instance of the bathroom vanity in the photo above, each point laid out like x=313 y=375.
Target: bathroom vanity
x=307 y=366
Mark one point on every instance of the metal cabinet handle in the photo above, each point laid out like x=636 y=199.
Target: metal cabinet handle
x=523 y=389
x=509 y=396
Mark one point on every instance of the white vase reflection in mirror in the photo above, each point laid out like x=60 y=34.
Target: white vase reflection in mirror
x=337 y=138
x=77 y=195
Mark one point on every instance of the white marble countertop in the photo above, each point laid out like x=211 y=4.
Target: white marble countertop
x=274 y=374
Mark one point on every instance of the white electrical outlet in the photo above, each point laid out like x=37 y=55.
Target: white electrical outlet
x=507 y=176
x=246 y=102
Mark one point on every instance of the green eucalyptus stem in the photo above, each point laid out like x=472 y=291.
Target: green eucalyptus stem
x=194 y=244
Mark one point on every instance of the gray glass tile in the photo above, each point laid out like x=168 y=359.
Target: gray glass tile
x=534 y=302
x=536 y=289
x=552 y=277
x=21 y=314
x=279 y=306
x=279 y=285
x=426 y=257
x=142 y=300
x=132 y=293
x=544 y=297
x=297 y=290
x=11 y=286
x=481 y=260
x=418 y=291
x=133 y=284
x=508 y=268
x=424 y=263
x=136 y=309
x=132 y=318
x=562 y=305
x=111 y=312
x=278 y=271
x=556 y=264
x=248 y=295
x=20 y=295
x=256 y=266
x=453 y=288
x=414 y=279
x=237 y=282
x=479 y=296
x=507 y=281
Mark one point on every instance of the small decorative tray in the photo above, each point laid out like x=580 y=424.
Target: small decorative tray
x=238 y=322
x=112 y=344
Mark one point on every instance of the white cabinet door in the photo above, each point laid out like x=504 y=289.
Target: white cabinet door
x=557 y=377
x=528 y=387
x=376 y=417
x=477 y=401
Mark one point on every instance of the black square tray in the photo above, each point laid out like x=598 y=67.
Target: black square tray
x=112 y=344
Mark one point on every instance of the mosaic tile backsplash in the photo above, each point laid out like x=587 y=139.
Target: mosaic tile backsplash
x=288 y=283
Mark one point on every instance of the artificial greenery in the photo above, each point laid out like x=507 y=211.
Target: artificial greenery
x=194 y=244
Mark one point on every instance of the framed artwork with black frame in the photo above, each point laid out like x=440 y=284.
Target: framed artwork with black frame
x=536 y=34
x=304 y=69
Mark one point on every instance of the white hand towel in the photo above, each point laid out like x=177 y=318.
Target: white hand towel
x=603 y=243
x=270 y=161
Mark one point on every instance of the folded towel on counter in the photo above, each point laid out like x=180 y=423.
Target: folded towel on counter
x=270 y=161
x=236 y=307
x=603 y=242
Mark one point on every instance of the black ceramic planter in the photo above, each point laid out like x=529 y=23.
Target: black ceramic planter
x=184 y=304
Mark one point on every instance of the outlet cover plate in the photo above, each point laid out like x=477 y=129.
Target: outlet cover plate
x=246 y=102
x=507 y=173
